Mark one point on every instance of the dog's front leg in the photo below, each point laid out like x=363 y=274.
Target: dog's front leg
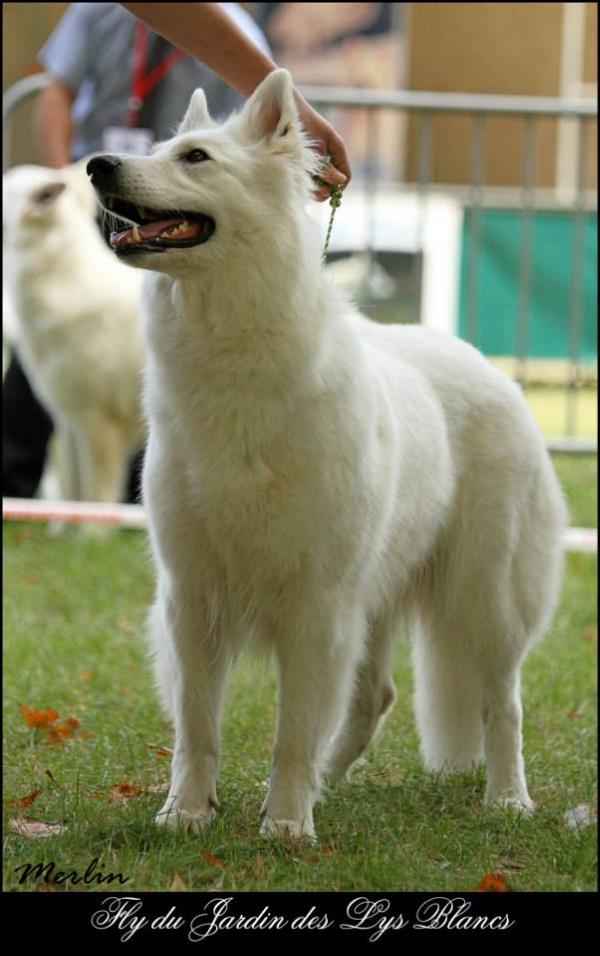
x=317 y=659
x=192 y=670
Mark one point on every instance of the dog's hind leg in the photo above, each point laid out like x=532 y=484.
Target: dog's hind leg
x=490 y=595
x=373 y=698
x=317 y=660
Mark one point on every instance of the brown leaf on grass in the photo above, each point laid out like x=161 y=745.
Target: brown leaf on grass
x=573 y=714
x=212 y=859
x=160 y=751
x=318 y=855
x=493 y=882
x=56 y=735
x=512 y=865
x=35 y=829
x=25 y=802
x=86 y=676
x=124 y=791
x=38 y=718
x=177 y=884
x=590 y=634
x=158 y=788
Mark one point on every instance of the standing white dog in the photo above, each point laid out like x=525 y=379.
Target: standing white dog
x=78 y=326
x=311 y=476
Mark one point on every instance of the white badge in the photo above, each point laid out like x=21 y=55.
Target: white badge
x=124 y=139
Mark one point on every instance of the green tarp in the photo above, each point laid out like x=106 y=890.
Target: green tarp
x=498 y=273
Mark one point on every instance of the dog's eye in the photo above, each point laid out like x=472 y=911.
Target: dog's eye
x=196 y=156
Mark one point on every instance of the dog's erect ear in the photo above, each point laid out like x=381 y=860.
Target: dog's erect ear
x=197 y=115
x=271 y=111
x=44 y=195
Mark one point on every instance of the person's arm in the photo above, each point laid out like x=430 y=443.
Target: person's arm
x=54 y=125
x=207 y=32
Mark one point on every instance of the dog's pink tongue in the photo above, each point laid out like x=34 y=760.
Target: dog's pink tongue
x=166 y=228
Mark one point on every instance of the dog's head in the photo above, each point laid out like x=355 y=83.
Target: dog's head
x=212 y=192
x=38 y=202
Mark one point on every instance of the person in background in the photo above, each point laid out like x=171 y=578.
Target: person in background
x=118 y=84
x=117 y=87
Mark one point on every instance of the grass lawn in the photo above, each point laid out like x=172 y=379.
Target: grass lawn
x=74 y=622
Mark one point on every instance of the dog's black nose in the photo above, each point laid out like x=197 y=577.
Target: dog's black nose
x=102 y=170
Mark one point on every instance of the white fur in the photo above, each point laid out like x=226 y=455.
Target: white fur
x=312 y=476
x=78 y=328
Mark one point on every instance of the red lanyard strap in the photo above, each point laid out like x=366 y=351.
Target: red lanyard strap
x=143 y=83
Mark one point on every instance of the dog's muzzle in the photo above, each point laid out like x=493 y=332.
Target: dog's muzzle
x=103 y=171
x=147 y=230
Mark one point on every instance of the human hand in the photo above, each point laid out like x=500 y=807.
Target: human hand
x=338 y=172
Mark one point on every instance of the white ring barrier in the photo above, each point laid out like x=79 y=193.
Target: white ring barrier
x=133 y=516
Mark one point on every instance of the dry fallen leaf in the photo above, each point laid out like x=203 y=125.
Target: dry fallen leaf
x=493 y=882
x=38 y=718
x=158 y=788
x=86 y=676
x=124 y=791
x=59 y=733
x=160 y=751
x=36 y=829
x=573 y=714
x=25 y=802
x=212 y=859
x=177 y=884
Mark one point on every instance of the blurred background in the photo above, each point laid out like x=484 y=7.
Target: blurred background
x=472 y=133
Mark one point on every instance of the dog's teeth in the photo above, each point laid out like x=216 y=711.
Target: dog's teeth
x=135 y=234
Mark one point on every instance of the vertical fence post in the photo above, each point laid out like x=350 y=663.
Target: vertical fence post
x=371 y=185
x=475 y=198
x=425 y=174
x=576 y=298
x=527 y=203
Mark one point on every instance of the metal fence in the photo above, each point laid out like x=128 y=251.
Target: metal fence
x=474 y=195
x=481 y=108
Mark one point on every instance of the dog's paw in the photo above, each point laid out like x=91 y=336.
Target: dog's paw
x=190 y=821
x=288 y=829
x=521 y=805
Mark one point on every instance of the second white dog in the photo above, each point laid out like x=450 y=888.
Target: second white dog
x=311 y=477
x=78 y=326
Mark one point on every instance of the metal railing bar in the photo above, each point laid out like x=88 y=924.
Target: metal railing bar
x=451 y=102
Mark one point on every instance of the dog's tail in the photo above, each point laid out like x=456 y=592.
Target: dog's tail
x=448 y=705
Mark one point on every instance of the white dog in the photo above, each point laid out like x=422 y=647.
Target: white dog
x=78 y=328
x=311 y=476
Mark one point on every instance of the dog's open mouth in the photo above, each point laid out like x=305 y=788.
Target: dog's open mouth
x=156 y=231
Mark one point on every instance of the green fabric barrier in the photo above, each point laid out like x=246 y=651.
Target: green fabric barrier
x=550 y=283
